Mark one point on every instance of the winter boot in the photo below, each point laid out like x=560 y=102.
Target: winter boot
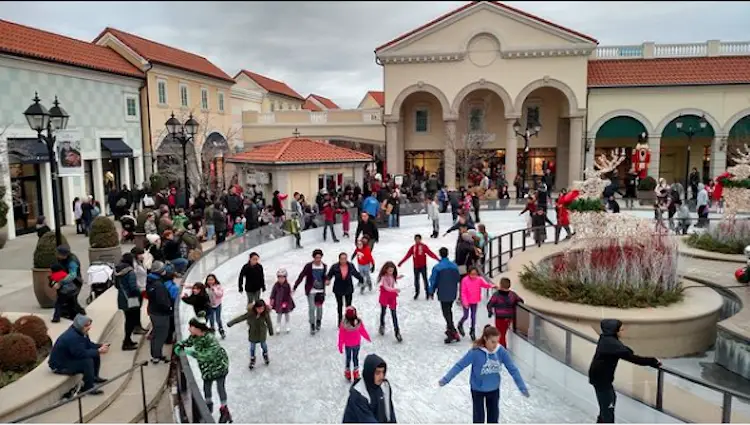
x=265 y=359
x=381 y=330
x=398 y=336
x=317 y=325
x=210 y=405
x=472 y=335
x=312 y=329
x=461 y=329
x=348 y=374
x=252 y=362
x=355 y=375
x=224 y=416
x=222 y=333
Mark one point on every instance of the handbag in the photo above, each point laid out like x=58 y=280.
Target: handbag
x=148 y=259
x=134 y=302
x=148 y=201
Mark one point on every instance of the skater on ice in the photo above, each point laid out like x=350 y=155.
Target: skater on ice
x=502 y=305
x=433 y=214
x=314 y=274
x=367 y=227
x=389 y=296
x=343 y=288
x=259 y=326
x=419 y=252
x=471 y=294
x=251 y=278
x=281 y=299
x=351 y=332
x=365 y=264
x=216 y=296
x=444 y=279
x=199 y=299
x=486 y=358
x=371 y=398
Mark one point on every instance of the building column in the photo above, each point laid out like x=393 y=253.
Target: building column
x=125 y=173
x=654 y=145
x=47 y=206
x=718 y=156
x=70 y=191
x=511 y=153
x=139 y=177
x=449 y=154
x=590 y=154
x=146 y=165
x=98 y=177
x=576 y=150
x=8 y=198
x=394 y=148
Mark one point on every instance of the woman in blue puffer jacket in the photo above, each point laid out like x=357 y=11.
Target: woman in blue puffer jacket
x=486 y=358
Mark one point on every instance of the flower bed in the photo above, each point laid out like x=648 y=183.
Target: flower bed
x=727 y=237
x=24 y=345
x=611 y=273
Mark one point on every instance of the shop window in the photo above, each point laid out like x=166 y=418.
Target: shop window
x=476 y=119
x=538 y=158
x=421 y=120
x=532 y=116
x=331 y=182
x=161 y=87
x=430 y=161
x=26 y=196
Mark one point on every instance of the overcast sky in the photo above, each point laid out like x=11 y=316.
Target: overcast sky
x=327 y=47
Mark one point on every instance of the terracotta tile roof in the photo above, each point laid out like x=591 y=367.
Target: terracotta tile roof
x=166 y=55
x=377 y=96
x=299 y=151
x=328 y=103
x=468 y=6
x=669 y=71
x=20 y=40
x=311 y=106
x=273 y=86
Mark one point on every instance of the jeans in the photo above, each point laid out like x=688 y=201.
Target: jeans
x=392 y=220
x=180 y=264
x=263 y=346
x=132 y=319
x=326 y=226
x=502 y=325
x=558 y=229
x=366 y=278
x=160 y=332
x=210 y=231
x=88 y=367
x=314 y=313
x=473 y=309
x=447 y=307
x=352 y=357
x=393 y=316
x=420 y=271
x=436 y=226
x=214 y=317
x=67 y=304
x=606 y=398
x=342 y=299
x=252 y=296
x=221 y=236
x=220 y=385
x=489 y=400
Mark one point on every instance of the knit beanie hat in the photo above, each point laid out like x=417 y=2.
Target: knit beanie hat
x=81 y=321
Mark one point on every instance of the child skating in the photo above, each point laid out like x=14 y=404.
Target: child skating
x=213 y=363
x=281 y=299
x=433 y=214
x=259 y=326
x=365 y=264
x=215 y=296
x=351 y=332
x=199 y=299
x=503 y=306
x=419 y=252
x=389 y=296
x=471 y=294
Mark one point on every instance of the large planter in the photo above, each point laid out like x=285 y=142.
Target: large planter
x=45 y=294
x=139 y=239
x=646 y=197
x=107 y=255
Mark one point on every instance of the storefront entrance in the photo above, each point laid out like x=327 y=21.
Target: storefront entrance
x=26 y=192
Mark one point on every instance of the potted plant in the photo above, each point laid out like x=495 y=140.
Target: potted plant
x=646 y=187
x=140 y=232
x=3 y=217
x=44 y=258
x=104 y=244
x=158 y=182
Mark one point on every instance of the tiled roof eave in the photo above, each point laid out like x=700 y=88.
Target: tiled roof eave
x=306 y=162
x=11 y=52
x=695 y=84
x=204 y=74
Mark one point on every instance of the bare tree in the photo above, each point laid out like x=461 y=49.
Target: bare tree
x=470 y=137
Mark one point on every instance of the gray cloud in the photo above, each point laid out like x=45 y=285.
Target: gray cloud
x=327 y=47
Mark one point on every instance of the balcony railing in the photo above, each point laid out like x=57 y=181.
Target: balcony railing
x=331 y=117
x=652 y=50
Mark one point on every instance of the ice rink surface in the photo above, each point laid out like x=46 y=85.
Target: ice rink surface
x=305 y=382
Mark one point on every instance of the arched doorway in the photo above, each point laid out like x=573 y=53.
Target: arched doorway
x=169 y=163
x=423 y=136
x=686 y=145
x=620 y=133
x=480 y=135
x=213 y=153
x=739 y=136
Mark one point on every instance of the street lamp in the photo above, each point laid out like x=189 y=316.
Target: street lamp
x=690 y=131
x=183 y=133
x=532 y=129
x=52 y=120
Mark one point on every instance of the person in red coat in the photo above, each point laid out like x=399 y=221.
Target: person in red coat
x=563 y=215
x=420 y=252
x=329 y=218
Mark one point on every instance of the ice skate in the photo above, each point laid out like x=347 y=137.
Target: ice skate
x=312 y=329
x=398 y=336
x=210 y=406
x=346 y=235
x=224 y=416
x=348 y=374
x=252 y=363
x=222 y=333
x=452 y=337
x=369 y=287
x=381 y=330
x=287 y=329
x=317 y=326
x=472 y=335
x=361 y=288
x=266 y=360
x=416 y=295
x=461 y=329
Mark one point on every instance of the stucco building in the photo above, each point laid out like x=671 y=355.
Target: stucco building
x=182 y=83
x=461 y=81
x=98 y=89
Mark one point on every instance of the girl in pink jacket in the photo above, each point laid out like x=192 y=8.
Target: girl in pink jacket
x=215 y=296
x=351 y=332
x=471 y=295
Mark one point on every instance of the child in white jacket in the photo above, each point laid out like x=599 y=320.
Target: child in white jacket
x=433 y=214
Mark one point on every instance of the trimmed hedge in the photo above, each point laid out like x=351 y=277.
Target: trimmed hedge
x=103 y=233
x=44 y=253
x=707 y=242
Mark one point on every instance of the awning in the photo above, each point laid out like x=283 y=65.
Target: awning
x=117 y=148
x=28 y=151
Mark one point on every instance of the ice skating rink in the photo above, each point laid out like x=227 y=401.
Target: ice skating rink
x=305 y=382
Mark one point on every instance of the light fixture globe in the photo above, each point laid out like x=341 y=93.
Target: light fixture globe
x=703 y=123
x=517 y=126
x=173 y=125
x=37 y=115
x=678 y=124
x=191 y=126
x=58 y=118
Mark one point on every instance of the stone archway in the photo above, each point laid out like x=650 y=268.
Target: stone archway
x=484 y=85
x=170 y=164
x=416 y=88
x=618 y=132
x=648 y=126
x=214 y=152
x=572 y=100
x=738 y=137
x=680 y=153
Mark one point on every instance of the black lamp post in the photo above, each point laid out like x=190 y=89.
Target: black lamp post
x=183 y=133
x=532 y=129
x=690 y=131
x=52 y=120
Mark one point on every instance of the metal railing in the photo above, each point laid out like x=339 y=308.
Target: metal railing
x=79 y=397
x=560 y=342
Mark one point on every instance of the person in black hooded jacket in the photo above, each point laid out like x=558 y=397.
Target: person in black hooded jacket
x=370 y=398
x=609 y=351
